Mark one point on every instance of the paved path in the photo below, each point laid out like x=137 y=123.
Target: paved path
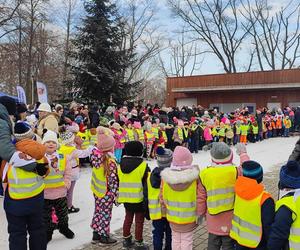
x=200 y=236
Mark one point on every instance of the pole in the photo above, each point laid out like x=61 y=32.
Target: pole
x=32 y=89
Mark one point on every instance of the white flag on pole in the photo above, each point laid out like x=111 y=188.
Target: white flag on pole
x=42 y=92
x=21 y=95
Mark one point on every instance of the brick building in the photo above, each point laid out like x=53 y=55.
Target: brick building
x=227 y=92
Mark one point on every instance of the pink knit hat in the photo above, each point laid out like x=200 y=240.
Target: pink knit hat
x=105 y=139
x=137 y=125
x=182 y=159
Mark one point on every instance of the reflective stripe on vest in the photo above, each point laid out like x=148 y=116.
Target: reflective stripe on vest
x=130 y=185
x=153 y=201
x=130 y=134
x=219 y=183
x=294 y=206
x=181 y=205
x=255 y=130
x=246 y=223
x=23 y=184
x=98 y=182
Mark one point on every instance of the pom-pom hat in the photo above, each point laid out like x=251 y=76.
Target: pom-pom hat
x=105 y=139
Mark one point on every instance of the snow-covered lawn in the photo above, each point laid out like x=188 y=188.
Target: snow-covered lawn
x=268 y=153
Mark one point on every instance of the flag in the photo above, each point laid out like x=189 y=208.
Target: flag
x=21 y=95
x=42 y=92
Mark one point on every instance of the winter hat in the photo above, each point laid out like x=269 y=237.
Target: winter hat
x=289 y=176
x=23 y=131
x=78 y=119
x=134 y=112
x=105 y=139
x=164 y=157
x=45 y=107
x=9 y=103
x=74 y=128
x=31 y=120
x=67 y=137
x=134 y=148
x=50 y=136
x=116 y=126
x=253 y=170
x=137 y=125
x=182 y=158
x=221 y=153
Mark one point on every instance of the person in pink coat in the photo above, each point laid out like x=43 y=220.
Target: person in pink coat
x=207 y=134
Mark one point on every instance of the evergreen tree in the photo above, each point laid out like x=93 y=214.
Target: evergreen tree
x=99 y=60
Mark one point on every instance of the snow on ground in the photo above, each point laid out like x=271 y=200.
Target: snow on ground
x=268 y=153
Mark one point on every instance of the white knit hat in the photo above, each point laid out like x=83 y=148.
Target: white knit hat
x=50 y=136
x=44 y=107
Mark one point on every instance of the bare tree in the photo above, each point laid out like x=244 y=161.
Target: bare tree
x=217 y=24
x=184 y=56
x=275 y=34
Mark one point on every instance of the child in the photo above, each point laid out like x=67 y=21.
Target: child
x=157 y=214
x=149 y=139
x=237 y=132
x=254 y=209
x=255 y=131
x=56 y=185
x=219 y=178
x=179 y=189
x=222 y=132
x=285 y=229
x=130 y=132
x=138 y=132
x=244 y=132
x=163 y=139
x=195 y=137
x=104 y=185
x=287 y=125
x=133 y=173
x=120 y=139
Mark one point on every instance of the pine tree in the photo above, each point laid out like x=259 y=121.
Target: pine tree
x=99 y=60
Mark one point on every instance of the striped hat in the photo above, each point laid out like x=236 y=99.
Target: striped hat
x=164 y=157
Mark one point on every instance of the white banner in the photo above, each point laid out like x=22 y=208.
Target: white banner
x=42 y=92
x=21 y=95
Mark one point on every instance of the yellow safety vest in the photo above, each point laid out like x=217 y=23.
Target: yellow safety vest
x=222 y=132
x=155 y=132
x=246 y=223
x=99 y=181
x=294 y=206
x=214 y=132
x=23 y=184
x=130 y=185
x=181 y=205
x=219 y=183
x=55 y=179
x=150 y=136
x=93 y=140
x=244 y=129
x=85 y=138
x=180 y=133
x=130 y=134
x=140 y=134
x=153 y=201
x=164 y=135
x=255 y=130
x=237 y=130
x=123 y=139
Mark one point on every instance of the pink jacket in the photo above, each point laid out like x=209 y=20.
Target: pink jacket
x=118 y=138
x=219 y=224
x=207 y=134
x=55 y=193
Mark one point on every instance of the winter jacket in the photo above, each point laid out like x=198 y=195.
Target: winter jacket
x=250 y=191
x=295 y=156
x=50 y=122
x=127 y=165
x=280 y=230
x=179 y=181
x=207 y=134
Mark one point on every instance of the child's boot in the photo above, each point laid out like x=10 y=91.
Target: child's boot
x=140 y=245
x=107 y=240
x=67 y=232
x=127 y=242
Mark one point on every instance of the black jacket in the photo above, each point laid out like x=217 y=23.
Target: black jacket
x=127 y=165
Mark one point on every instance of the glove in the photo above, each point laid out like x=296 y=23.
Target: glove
x=42 y=169
x=241 y=148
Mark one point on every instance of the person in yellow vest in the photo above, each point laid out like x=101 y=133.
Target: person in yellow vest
x=216 y=201
x=57 y=182
x=163 y=139
x=222 y=132
x=255 y=131
x=93 y=136
x=178 y=135
x=104 y=185
x=156 y=212
x=24 y=191
x=254 y=209
x=72 y=155
x=130 y=132
x=237 y=132
x=138 y=132
x=287 y=125
x=133 y=173
x=285 y=228
x=179 y=194
x=244 y=132
x=149 y=139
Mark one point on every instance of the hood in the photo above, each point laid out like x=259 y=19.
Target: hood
x=247 y=188
x=180 y=180
x=5 y=116
x=128 y=164
x=155 y=178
